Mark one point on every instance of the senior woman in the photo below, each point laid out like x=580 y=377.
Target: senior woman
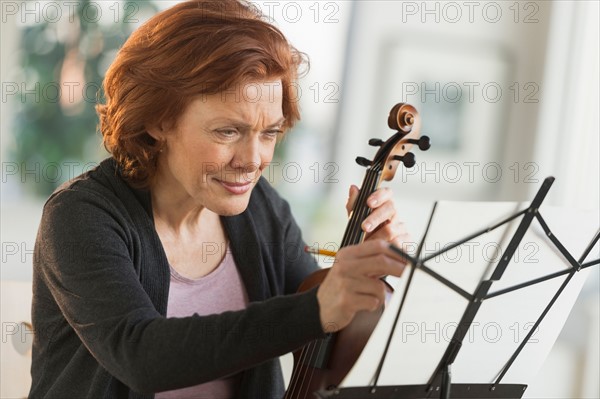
x=171 y=268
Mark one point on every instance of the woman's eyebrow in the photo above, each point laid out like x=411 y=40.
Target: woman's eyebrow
x=278 y=123
x=243 y=125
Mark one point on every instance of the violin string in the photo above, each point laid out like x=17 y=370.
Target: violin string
x=302 y=361
x=358 y=212
x=376 y=178
x=350 y=228
x=294 y=381
x=364 y=210
x=295 y=375
x=354 y=223
x=351 y=236
x=312 y=369
x=312 y=345
x=305 y=370
x=302 y=372
x=308 y=370
x=372 y=188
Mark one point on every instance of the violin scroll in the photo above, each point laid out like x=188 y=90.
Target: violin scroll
x=403 y=117
x=406 y=120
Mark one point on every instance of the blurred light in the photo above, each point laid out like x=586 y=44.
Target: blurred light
x=106 y=59
x=72 y=75
x=91 y=44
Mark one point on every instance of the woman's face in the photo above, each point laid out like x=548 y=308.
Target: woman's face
x=220 y=146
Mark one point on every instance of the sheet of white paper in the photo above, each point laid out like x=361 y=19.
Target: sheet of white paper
x=432 y=311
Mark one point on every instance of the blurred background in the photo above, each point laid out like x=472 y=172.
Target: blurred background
x=508 y=91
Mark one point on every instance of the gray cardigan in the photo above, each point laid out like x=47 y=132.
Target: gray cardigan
x=100 y=290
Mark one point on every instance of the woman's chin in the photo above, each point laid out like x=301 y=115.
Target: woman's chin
x=230 y=212
x=231 y=207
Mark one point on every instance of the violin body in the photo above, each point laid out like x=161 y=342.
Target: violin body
x=344 y=349
x=324 y=363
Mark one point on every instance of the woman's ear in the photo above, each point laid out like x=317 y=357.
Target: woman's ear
x=157 y=132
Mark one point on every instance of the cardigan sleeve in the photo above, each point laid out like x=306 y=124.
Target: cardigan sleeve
x=84 y=257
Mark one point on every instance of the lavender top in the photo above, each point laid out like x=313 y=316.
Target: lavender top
x=219 y=291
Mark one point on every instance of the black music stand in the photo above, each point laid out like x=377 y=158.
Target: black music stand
x=439 y=384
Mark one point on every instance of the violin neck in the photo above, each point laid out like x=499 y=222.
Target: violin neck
x=354 y=233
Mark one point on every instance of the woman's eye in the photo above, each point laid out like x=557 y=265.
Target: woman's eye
x=227 y=133
x=273 y=133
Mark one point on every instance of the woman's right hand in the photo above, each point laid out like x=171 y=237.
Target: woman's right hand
x=354 y=282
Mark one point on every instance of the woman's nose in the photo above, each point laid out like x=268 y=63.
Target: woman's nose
x=248 y=156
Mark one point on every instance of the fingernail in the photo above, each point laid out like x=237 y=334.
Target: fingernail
x=368 y=227
x=373 y=202
x=376 y=305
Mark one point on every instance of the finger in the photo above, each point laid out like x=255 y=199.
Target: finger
x=380 y=264
x=365 y=249
x=366 y=284
x=341 y=296
x=388 y=231
x=368 y=302
x=383 y=214
x=405 y=243
x=352 y=196
x=365 y=287
x=362 y=302
x=379 y=197
x=384 y=231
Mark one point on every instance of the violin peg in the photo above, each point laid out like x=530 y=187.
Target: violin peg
x=424 y=143
x=376 y=142
x=362 y=161
x=408 y=159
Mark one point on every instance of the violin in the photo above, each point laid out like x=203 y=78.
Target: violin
x=323 y=364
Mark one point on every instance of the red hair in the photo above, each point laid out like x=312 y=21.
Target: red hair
x=197 y=47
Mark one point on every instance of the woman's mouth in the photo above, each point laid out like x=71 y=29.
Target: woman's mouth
x=236 y=188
